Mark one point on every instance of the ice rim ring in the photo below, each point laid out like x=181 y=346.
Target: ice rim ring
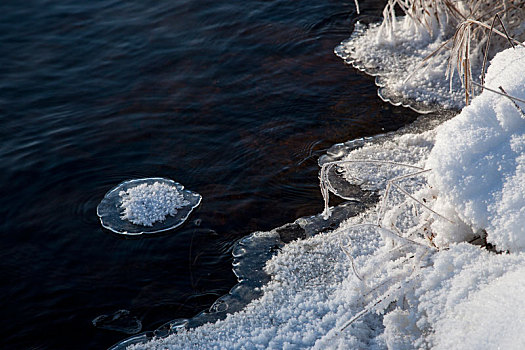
x=109 y=210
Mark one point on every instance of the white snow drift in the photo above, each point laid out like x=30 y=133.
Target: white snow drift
x=478 y=160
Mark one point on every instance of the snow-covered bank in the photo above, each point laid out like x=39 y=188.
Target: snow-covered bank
x=403 y=274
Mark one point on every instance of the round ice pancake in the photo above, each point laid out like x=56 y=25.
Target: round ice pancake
x=146 y=205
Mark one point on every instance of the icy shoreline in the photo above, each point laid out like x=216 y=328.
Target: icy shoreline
x=414 y=282
x=437 y=257
x=392 y=64
x=251 y=253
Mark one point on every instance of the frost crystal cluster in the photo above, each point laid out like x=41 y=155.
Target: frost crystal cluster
x=146 y=204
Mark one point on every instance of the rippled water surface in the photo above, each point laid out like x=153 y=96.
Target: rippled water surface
x=234 y=99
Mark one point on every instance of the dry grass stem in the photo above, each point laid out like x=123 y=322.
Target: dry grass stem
x=326 y=186
x=513 y=102
x=350 y=257
x=498 y=92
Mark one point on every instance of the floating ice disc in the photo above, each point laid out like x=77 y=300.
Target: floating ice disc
x=146 y=206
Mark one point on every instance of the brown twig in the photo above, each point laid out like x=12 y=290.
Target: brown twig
x=513 y=102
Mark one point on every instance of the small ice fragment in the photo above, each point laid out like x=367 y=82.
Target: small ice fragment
x=120 y=321
x=146 y=206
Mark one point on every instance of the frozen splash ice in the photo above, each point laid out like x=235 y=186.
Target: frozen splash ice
x=146 y=206
x=430 y=58
x=427 y=90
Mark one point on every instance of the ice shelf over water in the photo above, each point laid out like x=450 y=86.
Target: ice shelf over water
x=405 y=274
x=146 y=206
x=391 y=63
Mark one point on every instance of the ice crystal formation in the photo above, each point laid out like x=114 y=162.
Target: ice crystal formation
x=146 y=204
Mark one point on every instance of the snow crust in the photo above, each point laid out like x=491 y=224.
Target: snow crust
x=490 y=315
x=146 y=204
x=468 y=299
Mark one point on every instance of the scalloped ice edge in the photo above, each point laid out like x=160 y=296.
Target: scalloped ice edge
x=395 y=98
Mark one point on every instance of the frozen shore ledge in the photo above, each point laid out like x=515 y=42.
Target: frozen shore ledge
x=439 y=262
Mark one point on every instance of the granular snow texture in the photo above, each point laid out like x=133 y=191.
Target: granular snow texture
x=399 y=58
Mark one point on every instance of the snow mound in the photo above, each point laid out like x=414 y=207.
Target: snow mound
x=478 y=161
x=467 y=299
x=146 y=206
x=490 y=317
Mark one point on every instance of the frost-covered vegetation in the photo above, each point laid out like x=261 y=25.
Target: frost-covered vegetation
x=433 y=56
x=439 y=261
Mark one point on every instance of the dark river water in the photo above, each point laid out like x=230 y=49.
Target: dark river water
x=234 y=99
